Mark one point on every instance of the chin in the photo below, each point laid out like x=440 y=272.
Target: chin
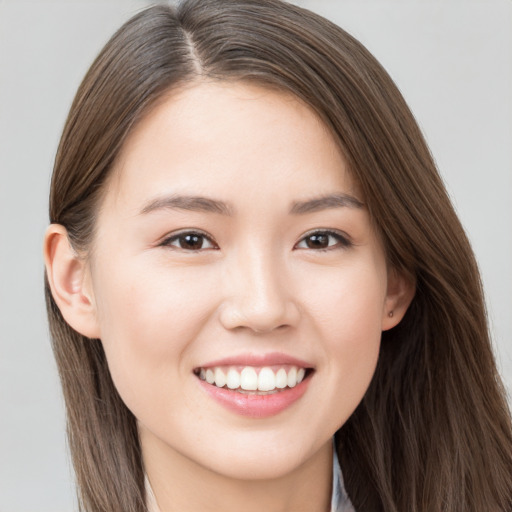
x=262 y=455
x=258 y=464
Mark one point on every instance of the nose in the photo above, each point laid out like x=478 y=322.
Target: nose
x=258 y=296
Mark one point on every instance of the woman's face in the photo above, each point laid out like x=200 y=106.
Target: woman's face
x=233 y=245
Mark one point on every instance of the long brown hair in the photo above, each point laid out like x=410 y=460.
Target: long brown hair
x=433 y=432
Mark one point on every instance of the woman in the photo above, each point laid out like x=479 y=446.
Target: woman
x=251 y=252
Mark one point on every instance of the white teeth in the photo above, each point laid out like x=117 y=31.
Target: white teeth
x=210 y=376
x=281 y=379
x=248 y=379
x=220 y=378
x=292 y=377
x=233 y=379
x=266 y=380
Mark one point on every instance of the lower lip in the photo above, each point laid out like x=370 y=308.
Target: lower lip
x=256 y=406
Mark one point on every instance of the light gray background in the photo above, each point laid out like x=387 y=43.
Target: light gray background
x=453 y=62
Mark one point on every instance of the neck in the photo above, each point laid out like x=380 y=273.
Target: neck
x=180 y=483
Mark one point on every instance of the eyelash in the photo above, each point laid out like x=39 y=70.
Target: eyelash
x=167 y=242
x=343 y=240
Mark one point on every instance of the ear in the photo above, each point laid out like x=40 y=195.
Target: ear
x=400 y=292
x=69 y=281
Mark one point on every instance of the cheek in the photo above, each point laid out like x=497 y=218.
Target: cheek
x=148 y=317
x=349 y=319
x=348 y=304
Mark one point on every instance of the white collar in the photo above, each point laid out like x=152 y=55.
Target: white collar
x=340 y=502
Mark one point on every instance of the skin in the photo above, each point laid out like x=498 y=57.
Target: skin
x=254 y=286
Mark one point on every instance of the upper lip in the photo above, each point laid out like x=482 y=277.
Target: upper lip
x=269 y=359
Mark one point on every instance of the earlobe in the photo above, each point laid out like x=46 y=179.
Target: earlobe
x=400 y=292
x=68 y=278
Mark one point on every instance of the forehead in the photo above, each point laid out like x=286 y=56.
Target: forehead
x=230 y=138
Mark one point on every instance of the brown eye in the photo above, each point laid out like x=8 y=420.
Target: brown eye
x=320 y=241
x=194 y=242
x=189 y=241
x=323 y=240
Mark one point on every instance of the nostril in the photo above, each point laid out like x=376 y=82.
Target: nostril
x=264 y=331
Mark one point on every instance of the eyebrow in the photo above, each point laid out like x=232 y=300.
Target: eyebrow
x=192 y=203
x=324 y=203
x=209 y=205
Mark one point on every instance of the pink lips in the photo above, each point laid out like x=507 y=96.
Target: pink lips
x=271 y=359
x=254 y=405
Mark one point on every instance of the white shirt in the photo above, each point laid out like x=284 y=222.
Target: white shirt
x=340 y=502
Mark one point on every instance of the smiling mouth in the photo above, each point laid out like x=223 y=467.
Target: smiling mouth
x=253 y=380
